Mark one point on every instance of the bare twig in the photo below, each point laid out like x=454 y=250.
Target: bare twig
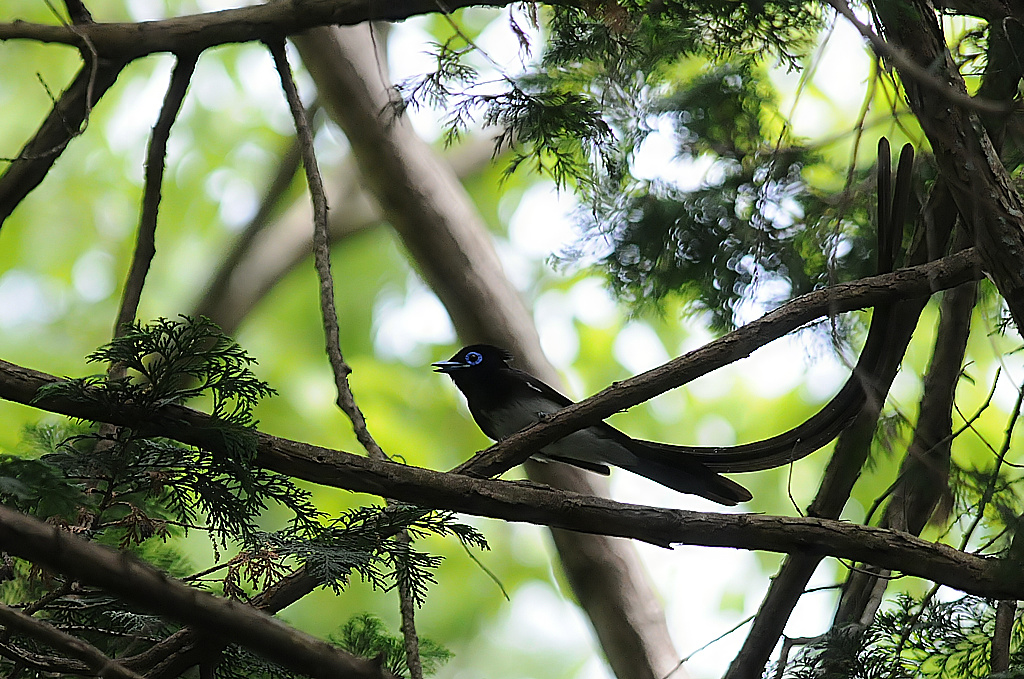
x=993 y=481
x=94 y=659
x=322 y=254
x=145 y=247
x=322 y=259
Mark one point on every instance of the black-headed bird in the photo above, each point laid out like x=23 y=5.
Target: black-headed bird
x=504 y=400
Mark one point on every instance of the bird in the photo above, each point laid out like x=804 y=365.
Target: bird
x=504 y=400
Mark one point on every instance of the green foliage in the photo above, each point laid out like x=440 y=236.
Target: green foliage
x=554 y=129
x=139 y=477
x=367 y=541
x=913 y=640
x=752 y=229
x=609 y=76
x=117 y=486
x=366 y=636
x=170 y=362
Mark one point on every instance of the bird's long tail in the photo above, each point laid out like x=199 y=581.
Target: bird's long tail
x=689 y=476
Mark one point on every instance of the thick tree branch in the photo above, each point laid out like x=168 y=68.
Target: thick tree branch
x=988 y=202
x=526 y=502
x=923 y=480
x=270 y=21
x=909 y=68
x=139 y=583
x=530 y=503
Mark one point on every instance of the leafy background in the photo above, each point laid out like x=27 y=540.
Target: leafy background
x=64 y=253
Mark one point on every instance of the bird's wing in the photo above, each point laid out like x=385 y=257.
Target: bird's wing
x=541 y=388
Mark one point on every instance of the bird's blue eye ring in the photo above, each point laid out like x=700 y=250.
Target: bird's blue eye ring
x=473 y=358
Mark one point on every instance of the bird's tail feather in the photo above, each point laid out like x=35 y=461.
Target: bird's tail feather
x=692 y=478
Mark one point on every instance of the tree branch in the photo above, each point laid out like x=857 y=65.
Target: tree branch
x=92 y=657
x=270 y=21
x=922 y=75
x=145 y=247
x=63 y=124
x=137 y=582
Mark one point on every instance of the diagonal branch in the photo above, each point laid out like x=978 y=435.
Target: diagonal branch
x=322 y=259
x=322 y=253
x=64 y=122
x=145 y=247
x=92 y=657
x=137 y=582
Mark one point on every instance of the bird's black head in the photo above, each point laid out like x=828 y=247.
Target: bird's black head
x=476 y=357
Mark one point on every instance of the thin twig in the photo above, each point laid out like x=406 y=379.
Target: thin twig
x=145 y=247
x=989 y=491
x=968 y=422
x=721 y=636
x=322 y=260
x=322 y=253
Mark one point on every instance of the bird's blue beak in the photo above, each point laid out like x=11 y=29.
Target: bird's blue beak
x=447 y=366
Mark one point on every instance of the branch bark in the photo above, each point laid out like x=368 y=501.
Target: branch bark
x=423 y=200
x=986 y=197
x=270 y=21
x=125 y=576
